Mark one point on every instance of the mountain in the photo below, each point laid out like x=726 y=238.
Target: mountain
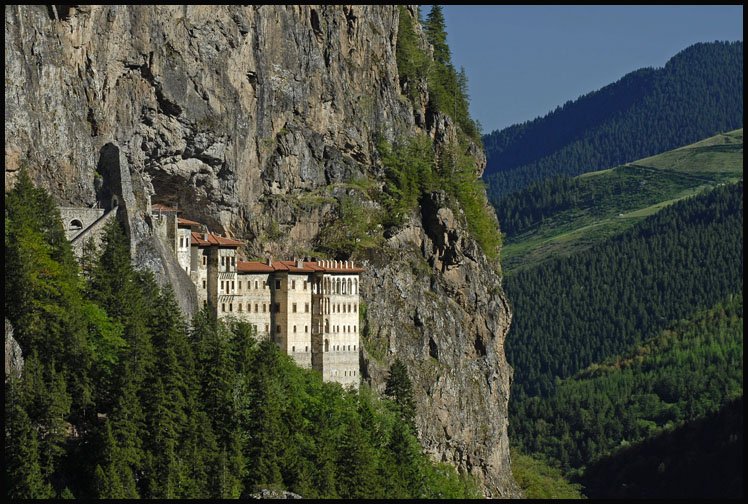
x=282 y=126
x=699 y=92
x=563 y=215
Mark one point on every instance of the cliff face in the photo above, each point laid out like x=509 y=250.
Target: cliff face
x=253 y=119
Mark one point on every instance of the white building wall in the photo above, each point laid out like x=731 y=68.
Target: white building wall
x=254 y=301
x=199 y=273
x=341 y=331
x=298 y=318
x=184 y=249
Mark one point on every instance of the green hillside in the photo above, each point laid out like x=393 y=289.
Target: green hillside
x=563 y=216
x=688 y=371
x=698 y=93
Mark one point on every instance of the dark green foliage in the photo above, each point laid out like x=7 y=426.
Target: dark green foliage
x=539 y=480
x=412 y=63
x=447 y=87
x=701 y=460
x=571 y=312
x=173 y=412
x=400 y=389
x=687 y=372
x=699 y=92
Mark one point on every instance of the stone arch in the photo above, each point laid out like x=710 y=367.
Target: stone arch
x=355 y=286
x=327 y=345
x=350 y=286
x=337 y=286
x=115 y=201
x=75 y=225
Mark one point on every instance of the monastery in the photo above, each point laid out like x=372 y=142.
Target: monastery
x=309 y=308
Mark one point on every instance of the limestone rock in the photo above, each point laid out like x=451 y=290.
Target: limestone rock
x=13 y=355
x=252 y=119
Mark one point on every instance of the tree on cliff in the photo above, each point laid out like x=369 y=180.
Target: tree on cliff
x=400 y=388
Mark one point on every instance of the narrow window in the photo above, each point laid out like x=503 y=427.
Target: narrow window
x=306 y=328
x=278 y=329
x=240 y=307
x=232 y=286
x=205 y=260
x=354 y=330
x=306 y=307
x=354 y=347
x=293 y=348
x=294 y=329
x=277 y=284
x=267 y=328
x=354 y=307
x=277 y=307
x=204 y=286
x=205 y=302
x=240 y=285
x=223 y=307
x=304 y=284
x=306 y=348
x=293 y=307
x=231 y=307
x=263 y=307
x=256 y=310
x=255 y=284
x=293 y=284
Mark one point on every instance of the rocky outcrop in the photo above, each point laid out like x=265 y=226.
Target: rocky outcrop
x=253 y=120
x=13 y=354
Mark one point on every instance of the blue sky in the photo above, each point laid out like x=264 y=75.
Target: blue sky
x=523 y=61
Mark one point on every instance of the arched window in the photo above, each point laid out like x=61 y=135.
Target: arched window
x=327 y=326
x=337 y=286
x=327 y=345
x=350 y=286
x=344 y=291
x=76 y=225
x=355 y=286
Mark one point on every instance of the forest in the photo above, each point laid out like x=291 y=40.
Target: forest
x=698 y=93
x=120 y=398
x=570 y=312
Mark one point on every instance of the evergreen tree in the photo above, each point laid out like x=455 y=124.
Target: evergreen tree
x=400 y=389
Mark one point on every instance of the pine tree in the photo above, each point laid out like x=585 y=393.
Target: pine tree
x=400 y=388
x=22 y=467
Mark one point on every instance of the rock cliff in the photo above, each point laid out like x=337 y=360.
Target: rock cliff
x=255 y=120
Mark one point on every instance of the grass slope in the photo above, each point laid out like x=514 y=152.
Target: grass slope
x=624 y=195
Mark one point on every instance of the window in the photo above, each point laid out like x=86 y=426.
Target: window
x=306 y=348
x=256 y=310
x=349 y=307
x=205 y=302
x=293 y=284
x=204 y=284
x=294 y=329
x=232 y=286
x=267 y=328
x=263 y=307
x=240 y=285
x=277 y=307
x=354 y=307
x=249 y=307
x=293 y=348
x=223 y=307
x=255 y=284
x=240 y=307
x=293 y=308
x=278 y=329
x=306 y=307
x=304 y=284
x=233 y=260
x=205 y=260
x=277 y=284
x=354 y=347
x=306 y=328
x=223 y=260
x=231 y=307
x=354 y=330
x=327 y=345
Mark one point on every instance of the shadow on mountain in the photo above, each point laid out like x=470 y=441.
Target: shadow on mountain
x=702 y=459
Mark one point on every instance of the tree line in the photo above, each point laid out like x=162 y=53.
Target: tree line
x=120 y=398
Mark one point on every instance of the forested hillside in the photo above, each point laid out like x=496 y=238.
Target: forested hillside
x=701 y=460
x=118 y=398
x=565 y=215
x=687 y=371
x=698 y=93
x=571 y=312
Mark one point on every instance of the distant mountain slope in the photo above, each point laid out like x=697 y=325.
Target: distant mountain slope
x=565 y=215
x=703 y=459
x=698 y=93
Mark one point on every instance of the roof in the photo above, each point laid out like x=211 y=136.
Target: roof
x=340 y=267
x=200 y=240
x=253 y=267
x=159 y=207
x=187 y=222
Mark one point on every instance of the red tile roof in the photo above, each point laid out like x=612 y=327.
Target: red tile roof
x=291 y=267
x=253 y=267
x=213 y=239
x=187 y=222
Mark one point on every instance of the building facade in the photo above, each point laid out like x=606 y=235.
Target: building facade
x=310 y=309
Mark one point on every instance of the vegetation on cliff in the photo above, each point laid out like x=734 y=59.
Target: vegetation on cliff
x=120 y=399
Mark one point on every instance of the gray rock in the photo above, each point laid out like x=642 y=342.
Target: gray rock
x=13 y=354
x=243 y=116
